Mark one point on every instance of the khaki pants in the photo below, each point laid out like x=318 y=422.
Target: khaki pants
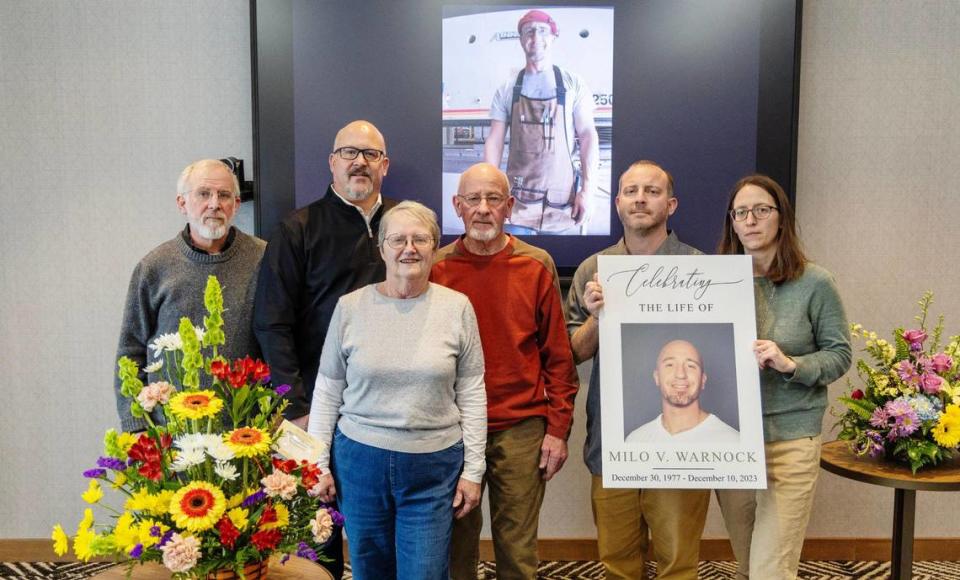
x=674 y=517
x=767 y=526
x=516 y=493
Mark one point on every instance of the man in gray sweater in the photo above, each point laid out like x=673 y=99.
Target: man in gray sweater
x=168 y=282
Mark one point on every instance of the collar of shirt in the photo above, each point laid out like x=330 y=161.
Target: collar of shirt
x=366 y=216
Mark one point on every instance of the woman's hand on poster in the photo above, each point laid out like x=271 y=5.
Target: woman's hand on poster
x=466 y=498
x=769 y=355
x=593 y=296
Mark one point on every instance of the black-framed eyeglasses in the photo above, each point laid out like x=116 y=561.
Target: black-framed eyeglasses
x=420 y=242
x=494 y=200
x=351 y=153
x=761 y=212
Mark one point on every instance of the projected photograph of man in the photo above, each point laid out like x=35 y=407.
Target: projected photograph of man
x=530 y=91
x=679 y=384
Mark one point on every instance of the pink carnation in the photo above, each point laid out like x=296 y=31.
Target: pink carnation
x=181 y=553
x=280 y=484
x=322 y=526
x=155 y=393
x=941 y=363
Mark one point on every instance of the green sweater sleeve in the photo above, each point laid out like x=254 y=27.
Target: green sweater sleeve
x=831 y=334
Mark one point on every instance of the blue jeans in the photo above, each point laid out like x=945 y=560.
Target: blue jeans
x=398 y=508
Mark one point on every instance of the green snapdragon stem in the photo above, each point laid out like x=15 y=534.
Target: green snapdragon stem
x=166 y=366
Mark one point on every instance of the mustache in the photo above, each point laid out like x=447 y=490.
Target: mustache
x=359 y=171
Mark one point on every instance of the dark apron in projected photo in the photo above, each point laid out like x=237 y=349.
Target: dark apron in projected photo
x=542 y=177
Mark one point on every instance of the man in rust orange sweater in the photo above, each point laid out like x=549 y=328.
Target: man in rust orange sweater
x=530 y=377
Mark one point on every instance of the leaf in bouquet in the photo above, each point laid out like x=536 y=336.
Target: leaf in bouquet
x=937 y=334
x=862 y=407
x=903 y=349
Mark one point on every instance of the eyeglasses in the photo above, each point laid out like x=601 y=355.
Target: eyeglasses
x=761 y=212
x=350 y=153
x=223 y=196
x=532 y=30
x=420 y=242
x=493 y=201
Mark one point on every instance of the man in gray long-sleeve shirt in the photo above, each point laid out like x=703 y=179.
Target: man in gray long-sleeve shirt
x=675 y=517
x=168 y=282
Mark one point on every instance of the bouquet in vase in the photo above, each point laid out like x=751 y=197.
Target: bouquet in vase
x=202 y=489
x=908 y=407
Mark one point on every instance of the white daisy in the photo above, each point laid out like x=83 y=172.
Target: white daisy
x=220 y=451
x=190 y=441
x=166 y=342
x=188 y=458
x=200 y=332
x=154 y=368
x=226 y=471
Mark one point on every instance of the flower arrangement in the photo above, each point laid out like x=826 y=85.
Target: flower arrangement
x=908 y=409
x=202 y=489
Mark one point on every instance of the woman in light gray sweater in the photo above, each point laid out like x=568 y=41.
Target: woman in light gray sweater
x=803 y=345
x=400 y=394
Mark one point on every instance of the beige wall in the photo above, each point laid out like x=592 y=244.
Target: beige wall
x=102 y=103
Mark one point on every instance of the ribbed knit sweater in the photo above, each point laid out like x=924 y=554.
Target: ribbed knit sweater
x=167 y=284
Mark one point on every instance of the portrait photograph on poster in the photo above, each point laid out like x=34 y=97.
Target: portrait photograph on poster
x=530 y=90
x=679 y=384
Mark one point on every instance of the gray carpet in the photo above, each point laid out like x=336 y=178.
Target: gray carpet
x=828 y=570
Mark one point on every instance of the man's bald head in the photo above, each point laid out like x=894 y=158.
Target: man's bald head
x=359 y=179
x=487 y=173
x=680 y=374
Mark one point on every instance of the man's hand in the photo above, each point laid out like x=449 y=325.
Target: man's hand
x=593 y=296
x=553 y=454
x=580 y=212
x=325 y=489
x=301 y=421
x=466 y=498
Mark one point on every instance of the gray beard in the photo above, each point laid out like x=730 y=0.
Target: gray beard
x=357 y=194
x=483 y=236
x=212 y=233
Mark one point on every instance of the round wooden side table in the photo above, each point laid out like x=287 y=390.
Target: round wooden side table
x=837 y=458
x=294 y=568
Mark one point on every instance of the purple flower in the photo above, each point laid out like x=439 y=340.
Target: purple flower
x=305 y=551
x=284 y=559
x=904 y=418
x=95 y=473
x=879 y=418
x=111 y=463
x=254 y=498
x=907 y=372
x=915 y=337
x=930 y=384
x=874 y=444
x=136 y=551
x=166 y=538
x=155 y=531
x=336 y=516
x=941 y=363
x=283 y=390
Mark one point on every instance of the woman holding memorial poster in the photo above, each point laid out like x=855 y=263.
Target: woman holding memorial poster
x=803 y=345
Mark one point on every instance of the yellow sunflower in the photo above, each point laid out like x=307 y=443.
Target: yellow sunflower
x=197 y=506
x=248 y=441
x=60 y=540
x=195 y=404
x=947 y=431
x=150 y=532
x=93 y=493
